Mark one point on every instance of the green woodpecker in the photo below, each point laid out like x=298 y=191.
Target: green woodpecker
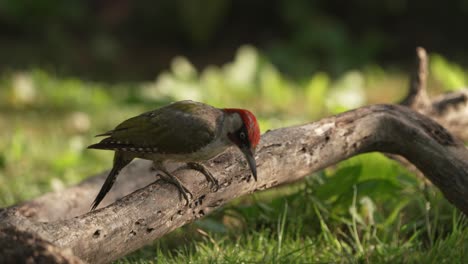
x=184 y=131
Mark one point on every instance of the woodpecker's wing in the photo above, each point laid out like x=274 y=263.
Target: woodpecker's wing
x=179 y=128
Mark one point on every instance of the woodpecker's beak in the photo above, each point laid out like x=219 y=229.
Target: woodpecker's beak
x=249 y=156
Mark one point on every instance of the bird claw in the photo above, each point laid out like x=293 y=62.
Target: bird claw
x=185 y=194
x=169 y=178
x=209 y=177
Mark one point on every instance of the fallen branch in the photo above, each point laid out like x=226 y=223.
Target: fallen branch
x=450 y=110
x=284 y=155
x=23 y=247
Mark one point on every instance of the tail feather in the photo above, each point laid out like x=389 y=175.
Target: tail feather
x=96 y=146
x=106 y=145
x=108 y=133
x=119 y=163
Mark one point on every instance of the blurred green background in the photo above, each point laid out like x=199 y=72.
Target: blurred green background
x=134 y=40
x=72 y=69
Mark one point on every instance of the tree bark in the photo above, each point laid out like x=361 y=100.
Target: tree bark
x=448 y=109
x=284 y=155
x=22 y=247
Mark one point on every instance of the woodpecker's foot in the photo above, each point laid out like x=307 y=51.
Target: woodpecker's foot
x=168 y=177
x=209 y=177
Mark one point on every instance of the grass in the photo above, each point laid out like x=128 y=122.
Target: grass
x=367 y=209
x=296 y=224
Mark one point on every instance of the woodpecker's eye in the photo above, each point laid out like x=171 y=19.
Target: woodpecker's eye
x=242 y=135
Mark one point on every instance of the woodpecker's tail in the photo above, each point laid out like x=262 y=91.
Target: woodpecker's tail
x=120 y=161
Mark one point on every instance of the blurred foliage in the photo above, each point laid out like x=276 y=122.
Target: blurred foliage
x=366 y=209
x=131 y=40
x=200 y=18
x=450 y=74
x=318 y=40
x=23 y=90
x=253 y=82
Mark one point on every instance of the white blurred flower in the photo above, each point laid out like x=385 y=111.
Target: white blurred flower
x=369 y=207
x=168 y=86
x=56 y=184
x=24 y=91
x=78 y=122
x=242 y=71
x=347 y=93
x=183 y=69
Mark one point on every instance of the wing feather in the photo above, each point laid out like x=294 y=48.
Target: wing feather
x=181 y=127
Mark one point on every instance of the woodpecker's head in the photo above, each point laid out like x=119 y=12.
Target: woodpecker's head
x=245 y=134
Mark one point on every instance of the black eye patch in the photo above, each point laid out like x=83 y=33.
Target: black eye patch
x=243 y=136
x=240 y=137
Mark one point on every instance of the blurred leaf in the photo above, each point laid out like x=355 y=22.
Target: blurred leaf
x=377 y=189
x=315 y=93
x=276 y=92
x=212 y=225
x=65 y=161
x=395 y=213
x=376 y=166
x=214 y=84
x=449 y=74
x=17 y=146
x=341 y=182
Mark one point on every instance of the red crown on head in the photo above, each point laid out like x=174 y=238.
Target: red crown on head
x=250 y=122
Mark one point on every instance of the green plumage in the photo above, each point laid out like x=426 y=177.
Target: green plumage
x=179 y=128
x=184 y=131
